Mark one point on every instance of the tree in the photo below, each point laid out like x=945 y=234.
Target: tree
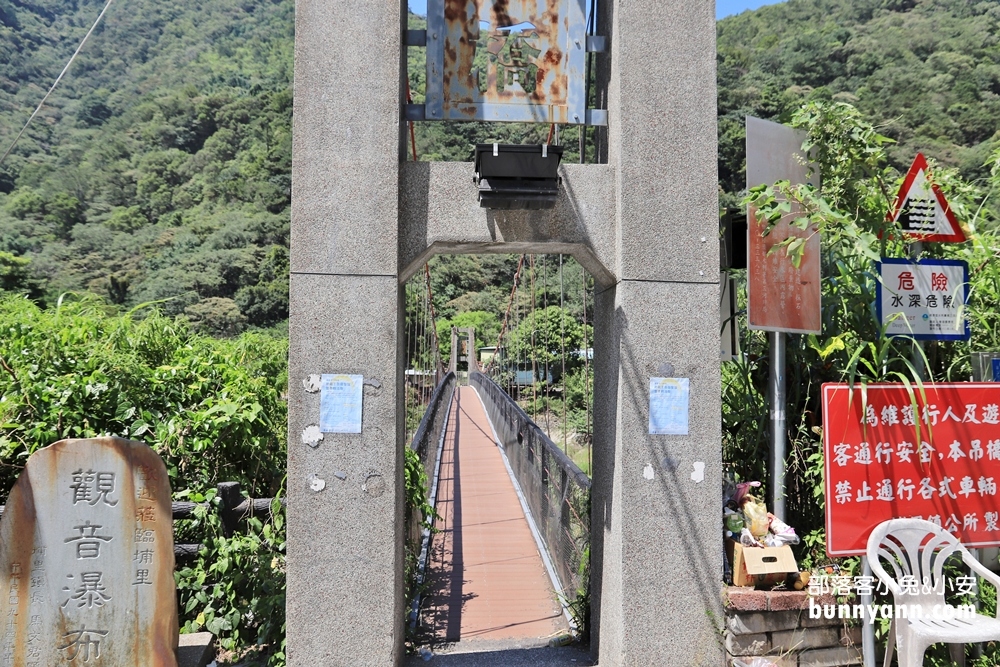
x=486 y=324
x=543 y=336
x=15 y=276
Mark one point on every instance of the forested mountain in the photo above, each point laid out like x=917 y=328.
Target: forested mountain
x=925 y=72
x=161 y=165
x=160 y=168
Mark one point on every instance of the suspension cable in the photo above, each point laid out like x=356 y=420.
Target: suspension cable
x=413 y=135
x=534 y=360
x=545 y=309
x=562 y=343
x=438 y=369
x=56 y=83
x=503 y=325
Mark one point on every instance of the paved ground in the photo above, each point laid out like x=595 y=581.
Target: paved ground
x=528 y=657
x=487 y=581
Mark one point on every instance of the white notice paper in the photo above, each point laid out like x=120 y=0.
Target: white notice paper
x=668 y=406
x=340 y=403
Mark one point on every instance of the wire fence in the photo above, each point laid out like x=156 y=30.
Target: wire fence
x=556 y=490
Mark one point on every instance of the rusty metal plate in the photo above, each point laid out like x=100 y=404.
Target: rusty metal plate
x=87 y=559
x=781 y=296
x=506 y=60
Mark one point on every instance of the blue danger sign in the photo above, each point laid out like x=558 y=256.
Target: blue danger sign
x=924 y=300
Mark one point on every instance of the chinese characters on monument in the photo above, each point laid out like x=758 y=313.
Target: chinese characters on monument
x=889 y=455
x=86 y=559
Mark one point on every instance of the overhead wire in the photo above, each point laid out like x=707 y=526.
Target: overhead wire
x=56 y=82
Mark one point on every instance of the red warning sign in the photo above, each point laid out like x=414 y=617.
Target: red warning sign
x=921 y=209
x=896 y=452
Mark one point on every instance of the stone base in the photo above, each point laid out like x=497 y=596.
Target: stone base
x=196 y=649
x=774 y=626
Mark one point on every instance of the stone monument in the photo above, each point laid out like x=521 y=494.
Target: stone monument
x=87 y=559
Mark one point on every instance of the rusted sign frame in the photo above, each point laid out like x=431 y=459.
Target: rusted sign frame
x=558 y=35
x=780 y=296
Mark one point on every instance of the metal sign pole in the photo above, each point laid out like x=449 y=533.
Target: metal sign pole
x=917 y=354
x=776 y=395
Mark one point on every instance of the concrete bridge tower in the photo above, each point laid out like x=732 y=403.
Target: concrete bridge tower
x=644 y=223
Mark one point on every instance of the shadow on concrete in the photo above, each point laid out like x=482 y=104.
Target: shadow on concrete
x=443 y=618
x=567 y=656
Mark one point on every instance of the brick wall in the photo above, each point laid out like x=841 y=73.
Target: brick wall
x=776 y=624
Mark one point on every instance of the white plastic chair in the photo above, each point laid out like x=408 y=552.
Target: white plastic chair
x=917 y=550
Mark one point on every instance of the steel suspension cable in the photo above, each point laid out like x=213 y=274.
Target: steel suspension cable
x=562 y=343
x=545 y=311
x=437 y=346
x=503 y=325
x=534 y=328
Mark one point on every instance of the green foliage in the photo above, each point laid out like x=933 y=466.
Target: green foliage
x=236 y=587
x=173 y=129
x=849 y=211
x=420 y=516
x=15 y=275
x=546 y=336
x=926 y=73
x=212 y=409
x=486 y=324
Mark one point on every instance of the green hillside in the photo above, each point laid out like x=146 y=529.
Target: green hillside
x=160 y=168
x=925 y=72
x=161 y=165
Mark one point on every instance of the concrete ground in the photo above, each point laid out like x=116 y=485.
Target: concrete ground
x=567 y=656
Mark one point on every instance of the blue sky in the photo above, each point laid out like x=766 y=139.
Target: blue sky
x=722 y=7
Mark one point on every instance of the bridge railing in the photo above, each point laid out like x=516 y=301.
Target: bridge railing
x=556 y=490
x=428 y=435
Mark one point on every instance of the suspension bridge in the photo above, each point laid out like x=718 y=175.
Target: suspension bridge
x=642 y=219
x=506 y=563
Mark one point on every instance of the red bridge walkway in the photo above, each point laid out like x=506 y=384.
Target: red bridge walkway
x=486 y=578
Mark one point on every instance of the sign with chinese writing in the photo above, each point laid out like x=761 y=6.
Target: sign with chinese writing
x=932 y=454
x=340 y=398
x=781 y=296
x=87 y=559
x=507 y=60
x=924 y=300
x=668 y=406
x=921 y=209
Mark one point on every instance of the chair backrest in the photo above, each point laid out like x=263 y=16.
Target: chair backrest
x=909 y=556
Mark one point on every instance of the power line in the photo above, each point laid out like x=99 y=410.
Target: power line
x=58 y=79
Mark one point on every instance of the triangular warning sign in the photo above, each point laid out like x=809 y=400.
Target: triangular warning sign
x=921 y=209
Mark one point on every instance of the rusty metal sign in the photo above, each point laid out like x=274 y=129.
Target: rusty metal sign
x=780 y=296
x=508 y=60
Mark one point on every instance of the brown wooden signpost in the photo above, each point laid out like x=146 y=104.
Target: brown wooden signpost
x=87 y=559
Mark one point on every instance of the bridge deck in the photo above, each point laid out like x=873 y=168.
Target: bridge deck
x=486 y=578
